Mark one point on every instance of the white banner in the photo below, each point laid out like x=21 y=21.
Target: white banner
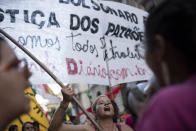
x=74 y=38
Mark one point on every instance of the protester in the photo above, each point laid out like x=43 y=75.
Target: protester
x=13 y=81
x=123 y=117
x=74 y=120
x=83 y=120
x=105 y=114
x=129 y=121
x=134 y=103
x=13 y=128
x=152 y=88
x=170 y=53
x=36 y=126
x=28 y=126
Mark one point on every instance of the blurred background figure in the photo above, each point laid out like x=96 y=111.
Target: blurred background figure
x=13 y=128
x=28 y=126
x=123 y=117
x=135 y=105
x=129 y=121
x=151 y=88
x=83 y=120
x=137 y=99
x=74 y=120
x=170 y=40
x=36 y=126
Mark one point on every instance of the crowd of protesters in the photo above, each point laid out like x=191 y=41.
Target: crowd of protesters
x=170 y=43
x=27 y=126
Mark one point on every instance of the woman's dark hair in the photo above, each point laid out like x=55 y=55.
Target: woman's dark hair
x=1 y=40
x=36 y=124
x=130 y=106
x=116 y=111
x=175 y=21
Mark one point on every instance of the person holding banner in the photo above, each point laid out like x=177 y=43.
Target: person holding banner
x=13 y=81
x=170 y=53
x=105 y=113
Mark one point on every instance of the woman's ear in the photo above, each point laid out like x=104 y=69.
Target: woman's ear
x=161 y=47
x=156 y=56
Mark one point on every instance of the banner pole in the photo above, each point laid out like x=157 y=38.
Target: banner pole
x=51 y=74
x=109 y=79
x=109 y=75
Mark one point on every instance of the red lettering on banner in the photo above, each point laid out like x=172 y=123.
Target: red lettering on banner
x=140 y=70
x=97 y=71
x=70 y=62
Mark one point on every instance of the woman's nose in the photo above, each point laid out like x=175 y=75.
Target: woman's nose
x=106 y=104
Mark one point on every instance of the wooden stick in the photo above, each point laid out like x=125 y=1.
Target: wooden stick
x=51 y=74
x=109 y=79
x=109 y=75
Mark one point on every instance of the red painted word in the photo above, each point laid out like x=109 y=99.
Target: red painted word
x=75 y=68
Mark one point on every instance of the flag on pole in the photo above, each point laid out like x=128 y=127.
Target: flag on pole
x=114 y=92
x=44 y=91
x=89 y=96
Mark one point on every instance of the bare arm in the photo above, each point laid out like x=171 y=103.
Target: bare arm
x=57 y=121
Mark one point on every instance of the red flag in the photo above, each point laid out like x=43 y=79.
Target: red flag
x=114 y=92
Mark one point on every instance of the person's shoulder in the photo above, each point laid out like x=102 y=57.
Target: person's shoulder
x=124 y=127
x=158 y=110
x=177 y=92
x=76 y=127
x=165 y=94
x=169 y=94
x=163 y=108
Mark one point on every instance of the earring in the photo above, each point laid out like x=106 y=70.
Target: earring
x=165 y=72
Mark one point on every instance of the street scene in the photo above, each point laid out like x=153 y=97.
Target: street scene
x=85 y=65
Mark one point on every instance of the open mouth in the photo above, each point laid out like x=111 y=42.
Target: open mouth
x=106 y=109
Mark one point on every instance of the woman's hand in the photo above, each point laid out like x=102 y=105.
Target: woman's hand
x=67 y=93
